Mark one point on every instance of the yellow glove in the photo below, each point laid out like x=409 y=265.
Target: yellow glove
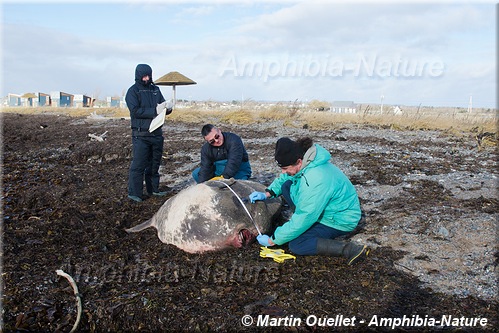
x=217 y=178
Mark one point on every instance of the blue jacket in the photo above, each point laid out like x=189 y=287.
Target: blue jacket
x=322 y=193
x=142 y=99
x=232 y=150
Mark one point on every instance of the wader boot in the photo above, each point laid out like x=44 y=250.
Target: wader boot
x=349 y=250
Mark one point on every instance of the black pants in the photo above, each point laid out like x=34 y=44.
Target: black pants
x=147 y=152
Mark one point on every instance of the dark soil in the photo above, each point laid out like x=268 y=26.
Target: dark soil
x=65 y=207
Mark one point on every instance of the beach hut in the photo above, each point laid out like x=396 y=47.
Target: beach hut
x=29 y=99
x=14 y=100
x=61 y=99
x=44 y=99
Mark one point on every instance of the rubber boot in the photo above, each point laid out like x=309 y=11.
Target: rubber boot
x=349 y=250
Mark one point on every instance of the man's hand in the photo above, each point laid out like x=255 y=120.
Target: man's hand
x=257 y=196
x=160 y=108
x=169 y=107
x=264 y=240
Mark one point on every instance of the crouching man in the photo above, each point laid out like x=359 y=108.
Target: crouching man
x=223 y=156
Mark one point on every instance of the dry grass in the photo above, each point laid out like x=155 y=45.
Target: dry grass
x=322 y=120
x=237 y=117
x=434 y=119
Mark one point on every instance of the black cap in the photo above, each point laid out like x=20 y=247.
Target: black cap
x=287 y=152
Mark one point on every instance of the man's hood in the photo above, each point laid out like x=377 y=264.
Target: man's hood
x=140 y=71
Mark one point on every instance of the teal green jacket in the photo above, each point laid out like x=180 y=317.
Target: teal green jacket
x=322 y=193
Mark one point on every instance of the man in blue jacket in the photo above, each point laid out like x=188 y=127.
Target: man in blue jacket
x=324 y=202
x=145 y=101
x=222 y=156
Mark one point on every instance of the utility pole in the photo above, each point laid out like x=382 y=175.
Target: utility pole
x=470 y=105
x=382 y=97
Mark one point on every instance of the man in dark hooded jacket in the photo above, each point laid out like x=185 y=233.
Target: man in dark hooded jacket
x=144 y=100
x=222 y=156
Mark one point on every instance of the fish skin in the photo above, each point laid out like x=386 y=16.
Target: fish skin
x=208 y=216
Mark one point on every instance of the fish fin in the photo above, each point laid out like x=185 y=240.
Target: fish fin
x=140 y=227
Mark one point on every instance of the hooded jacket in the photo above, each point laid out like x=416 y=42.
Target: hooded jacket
x=231 y=150
x=142 y=99
x=322 y=193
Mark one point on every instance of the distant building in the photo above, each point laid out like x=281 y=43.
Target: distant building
x=343 y=107
x=397 y=110
x=82 y=101
x=114 y=101
x=29 y=100
x=13 y=100
x=62 y=99
x=44 y=99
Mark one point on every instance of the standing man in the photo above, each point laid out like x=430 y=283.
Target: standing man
x=324 y=202
x=222 y=156
x=145 y=101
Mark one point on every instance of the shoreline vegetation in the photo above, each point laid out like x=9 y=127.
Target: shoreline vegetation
x=453 y=120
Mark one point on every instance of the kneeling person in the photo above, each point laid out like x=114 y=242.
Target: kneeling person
x=222 y=156
x=324 y=202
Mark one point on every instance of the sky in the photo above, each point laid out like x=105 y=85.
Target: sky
x=396 y=53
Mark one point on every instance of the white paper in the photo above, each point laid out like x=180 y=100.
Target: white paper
x=160 y=107
x=160 y=118
x=169 y=104
x=158 y=121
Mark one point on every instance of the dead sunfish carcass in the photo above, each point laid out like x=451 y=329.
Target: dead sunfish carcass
x=209 y=216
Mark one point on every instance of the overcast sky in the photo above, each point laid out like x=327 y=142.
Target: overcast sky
x=429 y=53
